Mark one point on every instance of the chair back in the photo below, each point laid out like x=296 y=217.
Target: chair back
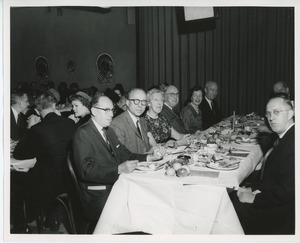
x=74 y=177
x=72 y=172
x=88 y=224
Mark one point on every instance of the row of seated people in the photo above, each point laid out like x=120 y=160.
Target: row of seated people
x=102 y=147
x=47 y=124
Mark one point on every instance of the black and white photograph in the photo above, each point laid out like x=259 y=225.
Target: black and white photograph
x=150 y=121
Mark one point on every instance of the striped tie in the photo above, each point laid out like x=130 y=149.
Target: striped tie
x=106 y=139
x=138 y=128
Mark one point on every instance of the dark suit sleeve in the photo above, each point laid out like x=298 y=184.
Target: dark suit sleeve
x=278 y=184
x=205 y=114
x=92 y=162
x=281 y=191
x=26 y=147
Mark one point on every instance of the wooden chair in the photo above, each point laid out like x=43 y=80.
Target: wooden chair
x=64 y=200
x=87 y=225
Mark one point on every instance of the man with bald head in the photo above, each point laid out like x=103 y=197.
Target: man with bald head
x=210 y=111
x=130 y=127
x=281 y=87
x=168 y=111
x=100 y=157
x=268 y=205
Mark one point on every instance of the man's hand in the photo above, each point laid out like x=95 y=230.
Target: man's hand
x=246 y=195
x=127 y=166
x=72 y=117
x=171 y=144
x=32 y=120
x=158 y=153
x=185 y=140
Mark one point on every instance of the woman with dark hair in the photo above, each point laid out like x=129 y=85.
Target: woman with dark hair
x=80 y=106
x=191 y=113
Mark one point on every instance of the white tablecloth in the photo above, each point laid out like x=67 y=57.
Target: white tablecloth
x=159 y=206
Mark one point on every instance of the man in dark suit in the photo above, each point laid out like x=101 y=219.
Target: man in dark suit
x=268 y=206
x=100 y=157
x=210 y=111
x=168 y=111
x=282 y=86
x=48 y=141
x=130 y=127
x=19 y=106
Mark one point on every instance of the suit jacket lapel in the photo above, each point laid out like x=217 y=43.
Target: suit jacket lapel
x=280 y=144
x=171 y=111
x=132 y=125
x=144 y=128
x=12 y=117
x=98 y=135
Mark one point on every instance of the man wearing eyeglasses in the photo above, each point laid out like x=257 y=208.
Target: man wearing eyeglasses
x=100 y=157
x=268 y=206
x=130 y=127
x=211 y=113
x=168 y=111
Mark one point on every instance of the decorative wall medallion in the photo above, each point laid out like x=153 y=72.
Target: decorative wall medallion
x=105 y=66
x=42 y=67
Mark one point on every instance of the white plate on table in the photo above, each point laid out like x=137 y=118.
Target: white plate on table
x=250 y=142
x=217 y=167
x=224 y=164
x=150 y=166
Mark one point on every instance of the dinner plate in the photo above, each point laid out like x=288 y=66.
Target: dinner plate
x=149 y=166
x=247 y=143
x=217 y=167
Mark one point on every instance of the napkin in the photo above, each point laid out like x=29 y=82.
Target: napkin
x=22 y=164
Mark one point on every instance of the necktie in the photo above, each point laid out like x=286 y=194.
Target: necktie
x=263 y=166
x=19 y=120
x=138 y=127
x=213 y=107
x=106 y=139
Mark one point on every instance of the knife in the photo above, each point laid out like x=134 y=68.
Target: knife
x=235 y=149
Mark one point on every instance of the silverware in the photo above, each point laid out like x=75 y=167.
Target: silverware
x=235 y=149
x=181 y=152
x=161 y=166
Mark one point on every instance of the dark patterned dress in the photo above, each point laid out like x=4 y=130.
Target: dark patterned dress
x=191 y=119
x=159 y=127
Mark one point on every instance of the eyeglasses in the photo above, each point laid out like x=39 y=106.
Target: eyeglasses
x=137 y=102
x=107 y=110
x=173 y=95
x=275 y=112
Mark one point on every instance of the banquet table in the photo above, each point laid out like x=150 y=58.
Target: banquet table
x=158 y=204
x=154 y=203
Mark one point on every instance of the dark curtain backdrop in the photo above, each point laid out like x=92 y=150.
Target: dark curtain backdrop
x=249 y=49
